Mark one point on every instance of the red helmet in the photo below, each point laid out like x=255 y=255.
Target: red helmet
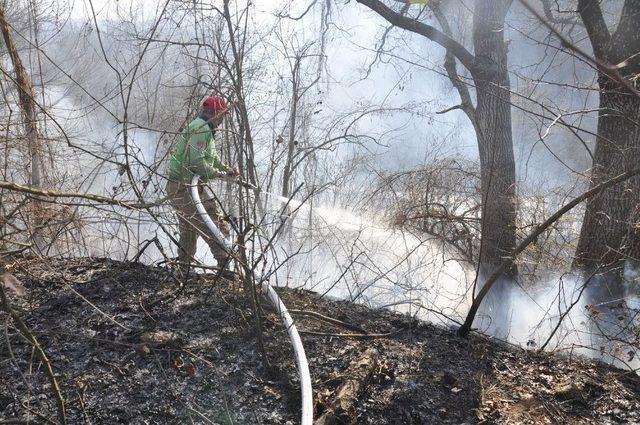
x=214 y=104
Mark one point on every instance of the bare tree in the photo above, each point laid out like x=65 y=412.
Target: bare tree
x=490 y=116
x=298 y=89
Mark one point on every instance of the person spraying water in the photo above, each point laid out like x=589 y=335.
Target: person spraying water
x=195 y=154
x=194 y=161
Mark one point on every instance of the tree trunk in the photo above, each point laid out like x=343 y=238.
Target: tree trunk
x=609 y=233
x=609 y=237
x=27 y=102
x=493 y=129
x=291 y=146
x=26 y=98
x=491 y=118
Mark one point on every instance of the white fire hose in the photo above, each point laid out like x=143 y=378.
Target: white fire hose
x=298 y=348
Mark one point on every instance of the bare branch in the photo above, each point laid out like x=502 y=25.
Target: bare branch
x=88 y=196
x=466 y=327
x=428 y=31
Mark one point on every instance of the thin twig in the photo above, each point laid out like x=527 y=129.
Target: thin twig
x=328 y=319
x=356 y=336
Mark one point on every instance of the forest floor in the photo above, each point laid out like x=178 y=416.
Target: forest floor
x=127 y=348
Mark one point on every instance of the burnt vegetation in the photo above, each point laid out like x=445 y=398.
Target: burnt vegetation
x=445 y=194
x=148 y=356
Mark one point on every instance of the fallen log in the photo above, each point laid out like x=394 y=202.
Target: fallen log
x=357 y=376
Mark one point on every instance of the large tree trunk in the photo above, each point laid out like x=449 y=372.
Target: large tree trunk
x=609 y=237
x=493 y=128
x=609 y=234
x=491 y=117
x=497 y=166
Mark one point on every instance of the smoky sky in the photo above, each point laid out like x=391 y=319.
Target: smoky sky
x=403 y=87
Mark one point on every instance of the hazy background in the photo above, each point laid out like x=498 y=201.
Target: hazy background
x=401 y=89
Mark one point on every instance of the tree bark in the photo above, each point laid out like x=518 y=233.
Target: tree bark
x=609 y=231
x=291 y=145
x=491 y=118
x=27 y=102
x=494 y=134
x=610 y=234
x=26 y=98
x=610 y=237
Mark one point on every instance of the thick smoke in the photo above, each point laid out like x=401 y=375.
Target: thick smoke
x=346 y=250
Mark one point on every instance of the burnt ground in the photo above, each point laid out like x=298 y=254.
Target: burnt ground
x=192 y=358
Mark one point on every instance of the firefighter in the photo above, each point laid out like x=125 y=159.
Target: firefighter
x=195 y=153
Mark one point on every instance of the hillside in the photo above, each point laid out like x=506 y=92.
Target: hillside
x=148 y=354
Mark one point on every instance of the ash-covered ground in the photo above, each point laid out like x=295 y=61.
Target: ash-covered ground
x=128 y=346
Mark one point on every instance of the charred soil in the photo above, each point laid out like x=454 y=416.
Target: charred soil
x=129 y=346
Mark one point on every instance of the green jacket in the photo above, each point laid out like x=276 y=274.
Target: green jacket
x=195 y=153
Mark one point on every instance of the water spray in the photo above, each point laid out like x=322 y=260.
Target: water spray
x=267 y=289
